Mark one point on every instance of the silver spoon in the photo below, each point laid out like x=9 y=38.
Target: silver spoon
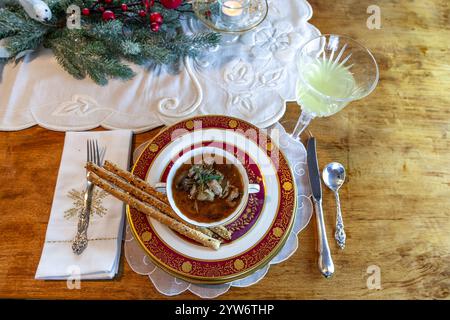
x=334 y=176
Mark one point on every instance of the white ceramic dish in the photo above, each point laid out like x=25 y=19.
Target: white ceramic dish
x=219 y=154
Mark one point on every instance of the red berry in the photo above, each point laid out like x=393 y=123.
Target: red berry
x=171 y=4
x=108 y=15
x=85 y=11
x=156 y=17
x=154 y=27
x=101 y=9
x=148 y=3
x=108 y=1
x=124 y=7
x=142 y=13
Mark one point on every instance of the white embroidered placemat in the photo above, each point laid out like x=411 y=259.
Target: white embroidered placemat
x=249 y=77
x=169 y=285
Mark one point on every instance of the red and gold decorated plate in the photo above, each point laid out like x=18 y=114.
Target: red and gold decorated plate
x=259 y=232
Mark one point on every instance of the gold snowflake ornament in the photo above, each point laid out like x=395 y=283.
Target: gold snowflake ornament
x=78 y=196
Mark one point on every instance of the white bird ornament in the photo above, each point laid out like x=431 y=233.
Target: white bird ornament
x=36 y=9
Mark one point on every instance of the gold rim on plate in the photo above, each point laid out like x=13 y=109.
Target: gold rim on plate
x=183 y=271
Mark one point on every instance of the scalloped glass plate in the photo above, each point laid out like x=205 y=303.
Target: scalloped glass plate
x=266 y=223
x=208 y=11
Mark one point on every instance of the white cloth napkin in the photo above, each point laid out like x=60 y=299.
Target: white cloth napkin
x=100 y=259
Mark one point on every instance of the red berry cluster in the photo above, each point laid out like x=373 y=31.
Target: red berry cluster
x=156 y=20
x=110 y=10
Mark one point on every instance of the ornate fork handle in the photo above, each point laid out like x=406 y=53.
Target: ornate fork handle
x=339 y=235
x=81 y=240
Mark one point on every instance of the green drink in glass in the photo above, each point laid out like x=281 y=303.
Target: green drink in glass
x=333 y=70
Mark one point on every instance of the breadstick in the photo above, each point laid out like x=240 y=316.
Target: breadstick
x=140 y=195
x=222 y=232
x=146 y=187
x=135 y=181
x=150 y=211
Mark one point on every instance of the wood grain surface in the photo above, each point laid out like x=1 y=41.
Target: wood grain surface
x=396 y=201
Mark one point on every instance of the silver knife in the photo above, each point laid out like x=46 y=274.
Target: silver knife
x=326 y=265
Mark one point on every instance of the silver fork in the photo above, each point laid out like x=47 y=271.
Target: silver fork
x=81 y=240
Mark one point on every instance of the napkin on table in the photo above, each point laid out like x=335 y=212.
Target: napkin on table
x=100 y=259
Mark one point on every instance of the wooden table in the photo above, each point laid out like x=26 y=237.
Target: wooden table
x=396 y=201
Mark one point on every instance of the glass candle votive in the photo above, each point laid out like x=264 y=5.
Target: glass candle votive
x=234 y=12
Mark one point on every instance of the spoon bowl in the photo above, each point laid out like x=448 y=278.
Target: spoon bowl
x=334 y=176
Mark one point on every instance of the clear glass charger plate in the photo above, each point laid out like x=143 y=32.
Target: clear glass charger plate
x=169 y=285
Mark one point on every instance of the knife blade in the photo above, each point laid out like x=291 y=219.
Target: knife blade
x=313 y=169
x=325 y=262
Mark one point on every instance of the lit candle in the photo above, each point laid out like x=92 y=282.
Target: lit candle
x=232 y=9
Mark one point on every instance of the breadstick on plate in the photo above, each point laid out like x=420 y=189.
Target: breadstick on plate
x=222 y=232
x=140 y=195
x=136 y=181
x=150 y=211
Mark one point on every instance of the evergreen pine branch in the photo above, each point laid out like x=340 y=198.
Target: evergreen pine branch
x=130 y=48
x=89 y=57
x=159 y=56
x=24 y=41
x=109 y=31
x=102 y=64
x=65 y=58
x=138 y=48
x=186 y=45
x=10 y=23
x=103 y=68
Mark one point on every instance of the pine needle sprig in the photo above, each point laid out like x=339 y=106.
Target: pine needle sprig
x=91 y=58
x=192 y=45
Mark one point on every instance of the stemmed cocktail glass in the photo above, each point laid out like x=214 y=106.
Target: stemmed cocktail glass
x=333 y=70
